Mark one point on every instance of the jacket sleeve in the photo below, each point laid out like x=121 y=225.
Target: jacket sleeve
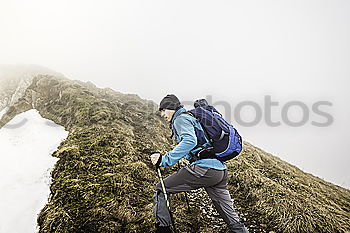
x=188 y=141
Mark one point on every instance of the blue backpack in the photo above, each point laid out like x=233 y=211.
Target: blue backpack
x=225 y=139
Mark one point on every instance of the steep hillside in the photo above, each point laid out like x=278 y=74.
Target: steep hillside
x=104 y=181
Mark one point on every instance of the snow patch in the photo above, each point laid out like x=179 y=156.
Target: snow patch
x=26 y=145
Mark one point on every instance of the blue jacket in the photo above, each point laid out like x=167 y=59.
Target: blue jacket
x=185 y=127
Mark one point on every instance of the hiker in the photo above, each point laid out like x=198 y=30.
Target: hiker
x=209 y=173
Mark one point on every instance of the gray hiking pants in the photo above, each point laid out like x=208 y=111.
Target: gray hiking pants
x=194 y=177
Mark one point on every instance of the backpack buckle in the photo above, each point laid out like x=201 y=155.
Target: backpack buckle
x=204 y=153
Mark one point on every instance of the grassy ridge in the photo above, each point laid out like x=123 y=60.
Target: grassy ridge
x=104 y=181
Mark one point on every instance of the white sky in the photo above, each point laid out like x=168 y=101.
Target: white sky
x=25 y=165
x=232 y=50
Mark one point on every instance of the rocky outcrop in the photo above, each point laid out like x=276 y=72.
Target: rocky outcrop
x=14 y=80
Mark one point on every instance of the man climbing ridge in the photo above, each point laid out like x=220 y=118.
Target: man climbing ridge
x=207 y=172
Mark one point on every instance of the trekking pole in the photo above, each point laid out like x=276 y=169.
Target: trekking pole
x=163 y=187
x=166 y=199
x=188 y=203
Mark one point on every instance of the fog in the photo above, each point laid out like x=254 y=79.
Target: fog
x=231 y=51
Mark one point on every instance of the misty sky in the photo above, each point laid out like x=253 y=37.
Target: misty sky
x=234 y=51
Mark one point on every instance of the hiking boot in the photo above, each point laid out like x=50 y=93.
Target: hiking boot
x=238 y=228
x=165 y=229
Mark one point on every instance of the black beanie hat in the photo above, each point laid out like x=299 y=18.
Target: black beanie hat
x=170 y=102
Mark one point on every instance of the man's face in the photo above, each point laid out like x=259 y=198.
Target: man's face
x=167 y=114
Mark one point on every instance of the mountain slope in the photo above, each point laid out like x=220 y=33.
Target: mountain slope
x=104 y=181
x=14 y=80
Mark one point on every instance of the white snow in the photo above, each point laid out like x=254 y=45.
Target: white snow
x=26 y=145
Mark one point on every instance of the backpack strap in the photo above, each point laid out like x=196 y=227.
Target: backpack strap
x=205 y=132
x=205 y=152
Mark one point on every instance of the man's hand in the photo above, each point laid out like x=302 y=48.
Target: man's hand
x=155 y=158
